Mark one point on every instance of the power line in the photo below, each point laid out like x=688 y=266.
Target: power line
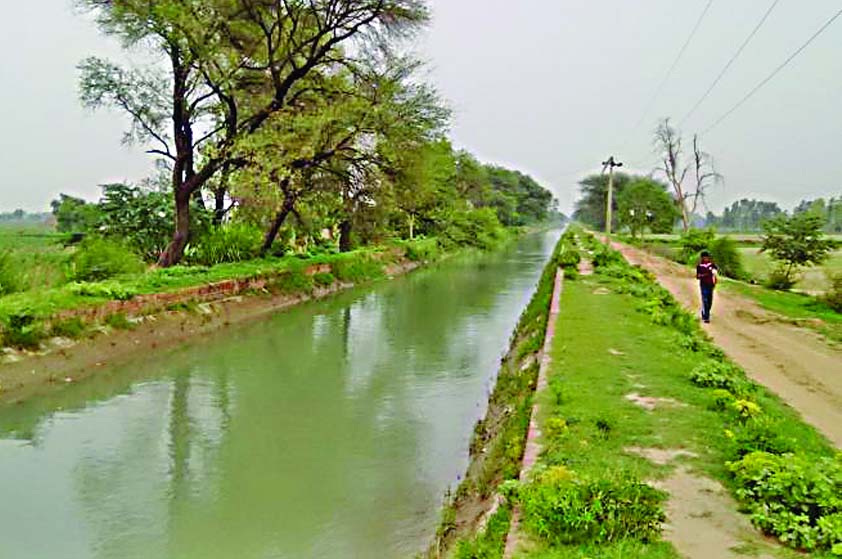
x=674 y=65
x=730 y=62
x=775 y=72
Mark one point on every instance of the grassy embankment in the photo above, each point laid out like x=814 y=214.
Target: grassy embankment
x=498 y=441
x=37 y=260
x=619 y=334
x=800 y=305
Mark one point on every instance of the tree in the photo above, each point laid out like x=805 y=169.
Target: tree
x=590 y=207
x=74 y=215
x=745 y=215
x=669 y=143
x=232 y=65
x=645 y=203
x=795 y=242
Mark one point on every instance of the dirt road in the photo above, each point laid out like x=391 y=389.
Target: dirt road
x=795 y=363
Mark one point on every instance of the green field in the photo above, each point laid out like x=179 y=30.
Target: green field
x=812 y=280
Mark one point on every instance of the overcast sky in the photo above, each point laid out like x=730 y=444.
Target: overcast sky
x=550 y=87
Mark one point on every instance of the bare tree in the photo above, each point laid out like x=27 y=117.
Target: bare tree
x=669 y=144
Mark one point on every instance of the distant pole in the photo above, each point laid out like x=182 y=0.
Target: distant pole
x=609 y=206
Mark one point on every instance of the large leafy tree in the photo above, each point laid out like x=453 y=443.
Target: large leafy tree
x=590 y=207
x=645 y=203
x=231 y=65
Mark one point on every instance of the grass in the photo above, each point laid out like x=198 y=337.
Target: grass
x=606 y=348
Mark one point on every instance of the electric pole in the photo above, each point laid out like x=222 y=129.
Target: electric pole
x=610 y=164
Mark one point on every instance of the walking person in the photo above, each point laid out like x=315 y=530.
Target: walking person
x=706 y=272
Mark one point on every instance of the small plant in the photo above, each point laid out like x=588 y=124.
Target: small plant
x=569 y=511
x=69 y=328
x=796 y=498
x=23 y=331
x=555 y=427
x=780 y=279
x=119 y=321
x=105 y=290
x=795 y=242
x=323 y=279
x=99 y=259
x=833 y=296
x=761 y=434
x=232 y=242
x=746 y=409
x=713 y=374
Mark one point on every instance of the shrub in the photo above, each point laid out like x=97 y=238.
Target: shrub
x=759 y=435
x=605 y=256
x=104 y=290
x=233 y=242
x=357 y=268
x=99 y=259
x=21 y=330
x=119 y=321
x=796 y=498
x=292 y=281
x=693 y=242
x=781 y=280
x=421 y=250
x=564 y=510
x=727 y=258
x=723 y=375
x=833 y=296
x=568 y=257
x=69 y=328
x=323 y=279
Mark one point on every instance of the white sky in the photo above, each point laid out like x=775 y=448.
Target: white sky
x=548 y=86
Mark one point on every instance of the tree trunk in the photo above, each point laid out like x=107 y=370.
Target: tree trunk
x=277 y=223
x=219 y=205
x=345 y=235
x=174 y=252
x=411 y=227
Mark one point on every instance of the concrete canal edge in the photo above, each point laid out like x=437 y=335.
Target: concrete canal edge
x=533 y=445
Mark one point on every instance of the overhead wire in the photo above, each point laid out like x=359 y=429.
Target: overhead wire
x=730 y=62
x=774 y=73
x=673 y=66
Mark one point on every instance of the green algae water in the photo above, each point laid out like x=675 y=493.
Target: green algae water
x=330 y=431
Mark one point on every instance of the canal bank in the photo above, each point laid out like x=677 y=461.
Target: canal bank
x=329 y=430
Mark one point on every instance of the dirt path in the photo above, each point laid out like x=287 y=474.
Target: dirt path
x=793 y=362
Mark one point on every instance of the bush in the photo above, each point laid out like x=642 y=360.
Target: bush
x=70 y=328
x=564 y=510
x=759 y=435
x=796 y=498
x=727 y=258
x=781 y=280
x=227 y=243
x=357 y=268
x=420 y=250
x=693 y=242
x=99 y=259
x=713 y=374
x=568 y=257
x=833 y=296
x=21 y=330
x=323 y=279
x=104 y=290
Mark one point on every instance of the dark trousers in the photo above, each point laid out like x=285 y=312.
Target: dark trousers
x=707 y=300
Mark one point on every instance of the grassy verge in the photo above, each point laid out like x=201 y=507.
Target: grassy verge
x=621 y=334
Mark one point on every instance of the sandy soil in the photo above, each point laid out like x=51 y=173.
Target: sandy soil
x=795 y=363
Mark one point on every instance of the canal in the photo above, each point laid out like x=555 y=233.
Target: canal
x=331 y=430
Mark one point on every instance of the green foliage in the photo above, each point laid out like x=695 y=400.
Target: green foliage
x=74 y=215
x=795 y=242
x=10 y=276
x=357 y=269
x=420 y=250
x=68 y=328
x=781 y=279
x=726 y=256
x=23 y=331
x=119 y=321
x=292 y=281
x=645 y=204
x=590 y=207
x=231 y=242
x=111 y=290
x=565 y=510
x=833 y=296
x=745 y=216
x=99 y=259
x=323 y=279
x=695 y=241
x=794 y=497
x=143 y=219
x=473 y=228
x=722 y=375
x=490 y=543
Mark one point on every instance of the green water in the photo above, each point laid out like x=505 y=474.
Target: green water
x=331 y=430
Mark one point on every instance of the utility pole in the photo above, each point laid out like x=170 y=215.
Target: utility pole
x=610 y=164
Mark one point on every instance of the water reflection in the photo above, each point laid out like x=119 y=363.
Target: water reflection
x=328 y=431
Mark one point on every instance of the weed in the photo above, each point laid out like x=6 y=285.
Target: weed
x=69 y=328
x=119 y=321
x=323 y=279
